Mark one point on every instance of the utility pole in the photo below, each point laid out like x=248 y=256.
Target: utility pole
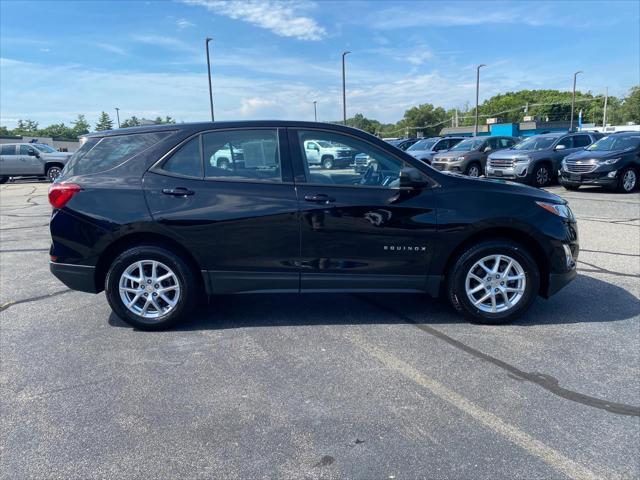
x=573 y=99
x=475 y=128
x=604 y=116
x=206 y=45
x=118 y=115
x=457 y=120
x=344 y=89
x=315 y=111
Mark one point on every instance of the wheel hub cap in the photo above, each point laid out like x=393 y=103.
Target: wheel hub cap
x=495 y=283
x=149 y=289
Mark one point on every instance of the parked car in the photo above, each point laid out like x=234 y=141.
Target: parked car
x=537 y=159
x=146 y=217
x=30 y=159
x=403 y=143
x=612 y=162
x=426 y=148
x=228 y=157
x=470 y=155
x=327 y=154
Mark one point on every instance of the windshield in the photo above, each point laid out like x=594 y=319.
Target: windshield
x=44 y=148
x=535 y=143
x=615 y=142
x=425 y=144
x=468 y=145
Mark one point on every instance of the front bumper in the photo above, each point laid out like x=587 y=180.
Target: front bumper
x=519 y=171
x=601 y=178
x=447 y=166
x=76 y=277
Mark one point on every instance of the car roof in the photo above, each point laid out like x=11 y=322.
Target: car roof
x=200 y=126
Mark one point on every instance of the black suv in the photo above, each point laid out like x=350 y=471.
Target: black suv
x=612 y=162
x=146 y=215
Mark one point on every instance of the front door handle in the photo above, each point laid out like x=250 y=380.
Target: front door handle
x=319 y=198
x=178 y=191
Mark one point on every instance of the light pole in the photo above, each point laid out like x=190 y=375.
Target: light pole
x=118 y=115
x=315 y=111
x=573 y=99
x=206 y=44
x=344 y=91
x=475 y=128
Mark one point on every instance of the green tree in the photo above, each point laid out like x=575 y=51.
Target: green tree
x=167 y=120
x=130 y=122
x=80 y=126
x=58 y=130
x=631 y=106
x=4 y=132
x=104 y=122
x=26 y=127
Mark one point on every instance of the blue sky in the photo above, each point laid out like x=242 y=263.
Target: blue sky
x=271 y=58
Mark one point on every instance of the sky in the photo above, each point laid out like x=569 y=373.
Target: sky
x=273 y=58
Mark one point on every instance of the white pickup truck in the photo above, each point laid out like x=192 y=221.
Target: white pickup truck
x=31 y=160
x=327 y=155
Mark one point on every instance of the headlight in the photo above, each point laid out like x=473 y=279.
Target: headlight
x=562 y=210
x=459 y=159
x=611 y=161
x=522 y=159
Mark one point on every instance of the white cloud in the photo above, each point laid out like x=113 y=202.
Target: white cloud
x=45 y=50
x=183 y=23
x=282 y=17
x=111 y=48
x=159 y=40
x=251 y=107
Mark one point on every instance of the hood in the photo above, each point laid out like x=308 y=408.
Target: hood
x=505 y=186
x=56 y=155
x=595 y=155
x=421 y=153
x=511 y=154
x=453 y=154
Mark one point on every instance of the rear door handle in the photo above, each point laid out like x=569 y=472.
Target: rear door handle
x=319 y=198
x=178 y=191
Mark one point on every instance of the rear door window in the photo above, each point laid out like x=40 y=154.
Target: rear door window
x=186 y=161
x=101 y=154
x=567 y=142
x=8 y=150
x=581 y=141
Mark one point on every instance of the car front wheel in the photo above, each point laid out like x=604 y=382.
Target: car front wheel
x=327 y=163
x=628 y=180
x=493 y=282
x=541 y=175
x=150 y=287
x=53 y=172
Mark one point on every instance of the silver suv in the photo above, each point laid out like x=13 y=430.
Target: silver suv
x=30 y=159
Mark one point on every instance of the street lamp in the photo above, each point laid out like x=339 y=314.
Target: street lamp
x=475 y=128
x=344 y=91
x=118 y=115
x=573 y=99
x=206 y=44
x=315 y=111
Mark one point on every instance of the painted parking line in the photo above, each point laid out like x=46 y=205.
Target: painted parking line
x=547 y=454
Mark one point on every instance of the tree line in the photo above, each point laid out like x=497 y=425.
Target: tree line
x=80 y=126
x=510 y=107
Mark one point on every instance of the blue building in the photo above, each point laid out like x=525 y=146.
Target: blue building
x=522 y=129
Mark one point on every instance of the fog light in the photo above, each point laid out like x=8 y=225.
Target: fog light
x=612 y=174
x=568 y=256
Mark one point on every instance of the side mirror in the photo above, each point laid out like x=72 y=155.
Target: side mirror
x=32 y=153
x=486 y=149
x=560 y=147
x=412 y=178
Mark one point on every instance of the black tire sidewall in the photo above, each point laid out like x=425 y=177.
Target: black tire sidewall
x=471 y=165
x=534 y=175
x=184 y=274
x=327 y=163
x=458 y=273
x=48 y=172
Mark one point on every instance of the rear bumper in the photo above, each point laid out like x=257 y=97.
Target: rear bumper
x=76 y=277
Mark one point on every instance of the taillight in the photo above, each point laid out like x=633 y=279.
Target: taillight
x=61 y=193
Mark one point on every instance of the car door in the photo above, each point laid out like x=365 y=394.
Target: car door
x=8 y=160
x=361 y=231
x=29 y=160
x=558 y=154
x=312 y=151
x=242 y=223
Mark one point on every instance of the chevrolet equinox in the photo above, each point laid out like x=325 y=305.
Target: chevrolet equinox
x=147 y=216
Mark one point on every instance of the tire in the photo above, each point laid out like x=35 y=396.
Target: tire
x=167 y=262
x=327 y=163
x=628 y=180
x=4 y=180
x=223 y=163
x=53 y=172
x=541 y=176
x=524 y=265
x=473 y=170
x=572 y=188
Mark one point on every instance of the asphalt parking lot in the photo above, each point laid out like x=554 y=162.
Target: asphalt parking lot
x=322 y=386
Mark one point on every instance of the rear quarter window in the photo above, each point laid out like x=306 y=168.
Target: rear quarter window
x=101 y=154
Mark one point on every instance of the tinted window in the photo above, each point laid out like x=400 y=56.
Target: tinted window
x=494 y=143
x=505 y=143
x=186 y=160
x=377 y=168
x=581 y=141
x=442 y=145
x=242 y=155
x=25 y=149
x=567 y=142
x=100 y=154
x=535 y=143
x=8 y=150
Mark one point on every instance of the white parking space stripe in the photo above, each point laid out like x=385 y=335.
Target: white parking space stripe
x=537 y=448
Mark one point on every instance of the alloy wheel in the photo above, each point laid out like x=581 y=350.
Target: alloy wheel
x=149 y=289
x=474 y=171
x=495 y=284
x=53 y=173
x=542 y=176
x=629 y=180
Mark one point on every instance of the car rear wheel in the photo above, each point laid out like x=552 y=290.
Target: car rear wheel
x=473 y=170
x=541 y=175
x=628 y=180
x=493 y=282
x=150 y=287
x=327 y=163
x=53 y=172
x=223 y=163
